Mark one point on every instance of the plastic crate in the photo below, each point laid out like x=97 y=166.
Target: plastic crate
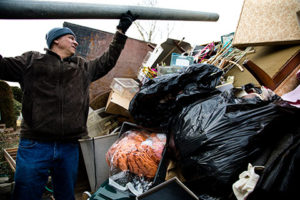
x=171 y=189
x=106 y=191
x=126 y=87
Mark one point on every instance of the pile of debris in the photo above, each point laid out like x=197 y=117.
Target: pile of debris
x=226 y=138
x=212 y=137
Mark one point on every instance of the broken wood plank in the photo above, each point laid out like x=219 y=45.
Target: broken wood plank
x=11 y=160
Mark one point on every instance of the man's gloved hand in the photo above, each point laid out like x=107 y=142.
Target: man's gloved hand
x=126 y=20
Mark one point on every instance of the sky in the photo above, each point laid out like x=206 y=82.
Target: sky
x=19 y=36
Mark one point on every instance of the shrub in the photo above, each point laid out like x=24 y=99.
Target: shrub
x=17 y=92
x=17 y=108
x=6 y=105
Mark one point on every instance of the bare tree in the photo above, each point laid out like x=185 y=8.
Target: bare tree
x=150 y=29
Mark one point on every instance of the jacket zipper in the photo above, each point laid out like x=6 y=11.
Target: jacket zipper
x=61 y=69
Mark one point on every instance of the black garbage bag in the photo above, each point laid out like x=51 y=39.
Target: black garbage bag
x=160 y=98
x=216 y=138
x=280 y=178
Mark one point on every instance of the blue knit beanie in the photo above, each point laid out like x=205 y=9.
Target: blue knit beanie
x=56 y=33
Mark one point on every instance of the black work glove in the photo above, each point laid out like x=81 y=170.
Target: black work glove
x=126 y=20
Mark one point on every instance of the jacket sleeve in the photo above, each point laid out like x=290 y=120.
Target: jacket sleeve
x=100 y=66
x=12 y=68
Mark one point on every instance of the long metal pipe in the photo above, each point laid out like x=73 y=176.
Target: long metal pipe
x=13 y=9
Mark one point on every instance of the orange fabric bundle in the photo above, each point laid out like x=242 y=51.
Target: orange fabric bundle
x=137 y=151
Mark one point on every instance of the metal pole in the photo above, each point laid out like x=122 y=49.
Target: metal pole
x=13 y=9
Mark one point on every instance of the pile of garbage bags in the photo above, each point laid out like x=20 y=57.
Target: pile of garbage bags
x=159 y=99
x=215 y=135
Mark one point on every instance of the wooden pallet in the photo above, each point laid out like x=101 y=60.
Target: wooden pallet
x=10 y=155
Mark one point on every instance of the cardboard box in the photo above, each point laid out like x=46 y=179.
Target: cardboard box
x=162 y=52
x=117 y=104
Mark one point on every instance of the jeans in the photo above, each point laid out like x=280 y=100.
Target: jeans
x=37 y=160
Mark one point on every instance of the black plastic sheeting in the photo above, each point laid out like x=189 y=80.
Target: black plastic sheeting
x=162 y=97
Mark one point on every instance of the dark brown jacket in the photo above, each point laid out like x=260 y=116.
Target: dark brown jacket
x=56 y=92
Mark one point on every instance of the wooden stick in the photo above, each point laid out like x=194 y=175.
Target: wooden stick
x=236 y=64
x=210 y=61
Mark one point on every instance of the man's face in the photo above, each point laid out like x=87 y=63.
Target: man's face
x=67 y=43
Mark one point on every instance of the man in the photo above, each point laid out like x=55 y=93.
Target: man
x=55 y=108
